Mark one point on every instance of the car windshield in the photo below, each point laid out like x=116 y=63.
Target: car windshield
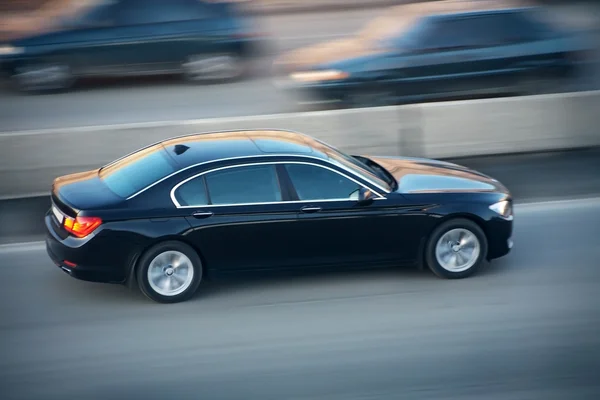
x=137 y=171
x=358 y=167
x=406 y=39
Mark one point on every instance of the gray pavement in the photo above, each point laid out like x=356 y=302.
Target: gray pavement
x=525 y=328
x=166 y=99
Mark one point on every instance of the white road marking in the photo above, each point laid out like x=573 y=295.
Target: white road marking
x=519 y=207
x=22 y=247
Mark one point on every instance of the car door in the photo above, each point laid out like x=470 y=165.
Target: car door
x=439 y=55
x=515 y=47
x=147 y=31
x=95 y=31
x=496 y=47
x=335 y=228
x=239 y=218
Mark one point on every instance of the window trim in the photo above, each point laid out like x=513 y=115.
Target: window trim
x=274 y=163
x=249 y=157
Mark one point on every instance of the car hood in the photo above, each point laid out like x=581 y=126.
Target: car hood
x=422 y=175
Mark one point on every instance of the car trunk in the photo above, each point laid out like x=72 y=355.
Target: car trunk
x=79 y=193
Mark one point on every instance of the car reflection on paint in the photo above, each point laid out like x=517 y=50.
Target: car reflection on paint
x=199 y=206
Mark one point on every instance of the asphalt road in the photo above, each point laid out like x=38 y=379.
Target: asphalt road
x=525 y=328
x=165 y=99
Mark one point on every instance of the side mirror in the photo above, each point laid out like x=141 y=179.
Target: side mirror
x=365 y=196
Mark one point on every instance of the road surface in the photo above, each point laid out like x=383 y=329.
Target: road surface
x=525 y=328
x=166 y=99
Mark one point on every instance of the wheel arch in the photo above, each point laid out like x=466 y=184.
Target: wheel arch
x=134 y=264
x=480 y=222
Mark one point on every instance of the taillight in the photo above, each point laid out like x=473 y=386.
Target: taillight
x=82 y=226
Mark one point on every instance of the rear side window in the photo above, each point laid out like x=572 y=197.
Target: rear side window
x=242 y=185
x=192 y=193
x=137 y=171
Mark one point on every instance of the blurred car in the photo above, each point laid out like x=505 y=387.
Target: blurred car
x=474 y=52
x=204 y=40
x=200 y=206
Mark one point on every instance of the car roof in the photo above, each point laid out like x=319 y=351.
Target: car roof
x=207 y=147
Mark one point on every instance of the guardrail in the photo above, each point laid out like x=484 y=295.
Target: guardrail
x=30 y=160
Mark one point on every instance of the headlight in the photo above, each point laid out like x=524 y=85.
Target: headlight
x=503 y=208
x=329 y=75
x=10 y=50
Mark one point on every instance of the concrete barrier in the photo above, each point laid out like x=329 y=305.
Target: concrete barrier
x=30 y=160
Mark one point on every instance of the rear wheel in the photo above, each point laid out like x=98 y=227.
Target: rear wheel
x=214 y=67
x=43 y=77
x=170 y=272
x=456 y=249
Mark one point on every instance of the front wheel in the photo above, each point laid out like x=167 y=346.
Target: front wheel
x=169 y=272
x=456 y=249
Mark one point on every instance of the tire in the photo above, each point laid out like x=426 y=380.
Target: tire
x=43 y=77
x=158 y=261
x=442 y=236
x=197 y=68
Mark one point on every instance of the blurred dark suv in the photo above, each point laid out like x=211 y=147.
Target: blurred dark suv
x=204 y=40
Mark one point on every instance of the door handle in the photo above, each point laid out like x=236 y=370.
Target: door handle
x=309 y=209
x=202 y=214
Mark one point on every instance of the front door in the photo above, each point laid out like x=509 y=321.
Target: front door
x=336 y=229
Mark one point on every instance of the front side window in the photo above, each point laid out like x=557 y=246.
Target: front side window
x=316 y=183
x=449 y=34
x=345 y=161
x=243 y=185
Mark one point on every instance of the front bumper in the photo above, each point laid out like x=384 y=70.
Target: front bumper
x=500 y=238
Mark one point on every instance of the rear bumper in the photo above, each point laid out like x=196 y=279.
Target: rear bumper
x=80 y=259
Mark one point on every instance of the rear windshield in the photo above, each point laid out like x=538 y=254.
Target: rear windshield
x=135 y=172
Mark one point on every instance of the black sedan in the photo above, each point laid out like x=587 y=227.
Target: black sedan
x=176 y=212
x=438 y=55
x=203 y=40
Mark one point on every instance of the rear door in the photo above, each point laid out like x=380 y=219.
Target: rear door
x=437 y=55
x=240 y=218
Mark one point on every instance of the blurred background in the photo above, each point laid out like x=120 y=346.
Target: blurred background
x=511 y=88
